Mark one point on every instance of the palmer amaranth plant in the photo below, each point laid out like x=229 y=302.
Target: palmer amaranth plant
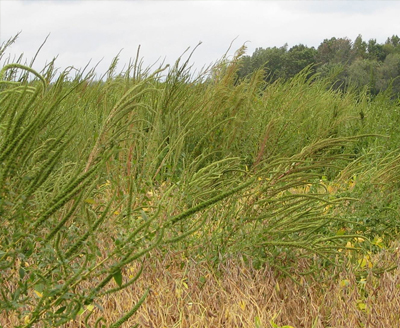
x=104 y=181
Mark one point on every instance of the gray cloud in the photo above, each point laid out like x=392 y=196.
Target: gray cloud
x=339 y=7
x=81 y=30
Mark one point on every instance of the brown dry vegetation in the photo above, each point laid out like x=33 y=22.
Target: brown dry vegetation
x=187 y=293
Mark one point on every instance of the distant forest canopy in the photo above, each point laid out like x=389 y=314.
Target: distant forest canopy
x=357 y=64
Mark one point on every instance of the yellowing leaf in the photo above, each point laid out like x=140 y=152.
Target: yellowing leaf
x=344 y=283
x=90 y=308
x=331 y=189
x=39 y=294
x=341 y=232
x=352 y=183
x=27 y=319
x=273 y=324
x=365 y=261
x=257 y=322
x=349 y=245
x=108 y=183
x=242 y=305
x=327 y=208
x=363 y=281
x=378 y=241
x=361 y=305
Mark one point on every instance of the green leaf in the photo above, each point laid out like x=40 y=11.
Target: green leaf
x=21 y=273
x=60 y=310
x=257 y=322
x=39 y=288
x=118 y=277
x=202 y=280
x=273 y=324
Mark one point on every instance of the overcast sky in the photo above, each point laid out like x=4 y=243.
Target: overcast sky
x=83 y=30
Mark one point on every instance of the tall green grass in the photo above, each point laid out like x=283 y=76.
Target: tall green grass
x=95 y=174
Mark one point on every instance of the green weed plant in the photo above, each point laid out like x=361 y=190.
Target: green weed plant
x=97 y=174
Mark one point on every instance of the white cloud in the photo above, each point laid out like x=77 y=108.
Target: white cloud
x=81 y=30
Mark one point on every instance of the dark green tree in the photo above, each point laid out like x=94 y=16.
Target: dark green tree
x=394 y=41
x=271 y=59
x=392 y=45
x=363 y=73
x=359 y=48
x=298 y=58
x=389 y=74
x=335 y=51
x=375 y=51
x=357 y=63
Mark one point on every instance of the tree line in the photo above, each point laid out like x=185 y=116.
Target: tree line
x=358 y=64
